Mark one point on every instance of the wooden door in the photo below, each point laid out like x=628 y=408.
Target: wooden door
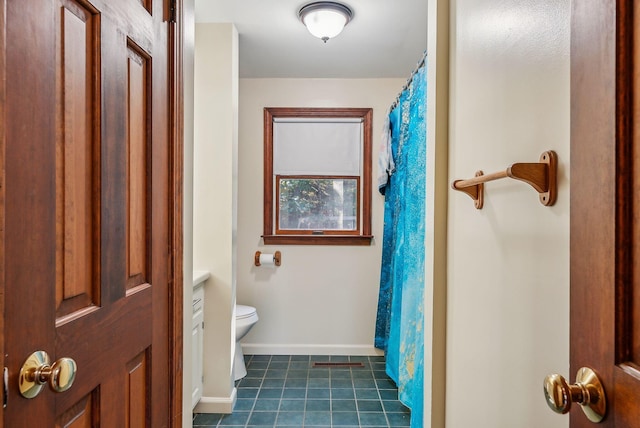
x=605 y=203
x=86 y=208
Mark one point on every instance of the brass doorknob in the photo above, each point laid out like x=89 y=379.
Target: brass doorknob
x=587 y=391
x=37 y=370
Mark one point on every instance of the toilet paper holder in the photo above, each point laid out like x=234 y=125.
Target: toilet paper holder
x=277 y=257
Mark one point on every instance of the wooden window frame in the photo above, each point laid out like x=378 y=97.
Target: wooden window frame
x=277 y=237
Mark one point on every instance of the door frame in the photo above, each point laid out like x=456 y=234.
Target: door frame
x=176 y=200
x=174 y=17
x=3 y=30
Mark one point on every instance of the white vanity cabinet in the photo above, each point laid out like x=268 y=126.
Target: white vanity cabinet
x=197 y=339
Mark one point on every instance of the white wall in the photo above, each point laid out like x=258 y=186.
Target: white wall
x=215 y=203
x=188 y=35
x=323 y=299
x=508 y=264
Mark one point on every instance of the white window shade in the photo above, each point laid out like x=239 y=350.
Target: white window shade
x=322 y=147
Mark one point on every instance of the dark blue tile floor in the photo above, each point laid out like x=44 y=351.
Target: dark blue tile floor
x=287 y=391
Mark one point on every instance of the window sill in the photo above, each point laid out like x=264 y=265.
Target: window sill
x=317 y=240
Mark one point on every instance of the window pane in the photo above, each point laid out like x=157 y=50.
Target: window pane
x=317 y=148
x=318 y=203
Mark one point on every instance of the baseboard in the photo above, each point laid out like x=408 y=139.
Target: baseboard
x=216 y=404
x=283 y=349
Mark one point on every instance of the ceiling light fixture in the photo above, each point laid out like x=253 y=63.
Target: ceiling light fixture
x=325 y=19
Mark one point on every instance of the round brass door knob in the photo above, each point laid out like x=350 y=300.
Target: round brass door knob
x=587 y=391
x=37 y=371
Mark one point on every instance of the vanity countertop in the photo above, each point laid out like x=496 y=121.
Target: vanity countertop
x=199 y=277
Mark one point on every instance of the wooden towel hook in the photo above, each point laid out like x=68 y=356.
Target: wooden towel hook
x=542 y=176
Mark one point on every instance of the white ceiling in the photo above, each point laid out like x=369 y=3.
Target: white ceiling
x=386 y=38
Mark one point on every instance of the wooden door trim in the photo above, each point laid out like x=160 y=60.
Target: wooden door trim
x=176 y=135
x=2 y=187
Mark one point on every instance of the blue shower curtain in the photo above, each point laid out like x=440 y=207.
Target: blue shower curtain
x=400 y=318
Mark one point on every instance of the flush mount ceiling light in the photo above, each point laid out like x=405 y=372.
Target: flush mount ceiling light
x=325 y=19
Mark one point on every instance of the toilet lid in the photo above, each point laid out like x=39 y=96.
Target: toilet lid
x=243 y=311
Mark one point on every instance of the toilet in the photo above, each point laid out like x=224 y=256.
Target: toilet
x=246 y=317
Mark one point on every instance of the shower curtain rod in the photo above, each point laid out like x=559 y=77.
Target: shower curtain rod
x=409 y=80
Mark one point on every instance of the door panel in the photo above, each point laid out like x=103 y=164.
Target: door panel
x=605 y=214
x=138 y=83
x=77 y=159
x=137 y=393
x=81 y=415
x=87 y=206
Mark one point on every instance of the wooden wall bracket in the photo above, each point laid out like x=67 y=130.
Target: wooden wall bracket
x=542 y=176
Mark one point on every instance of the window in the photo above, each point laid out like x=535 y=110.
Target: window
x=317 y=176
x=317 y=204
